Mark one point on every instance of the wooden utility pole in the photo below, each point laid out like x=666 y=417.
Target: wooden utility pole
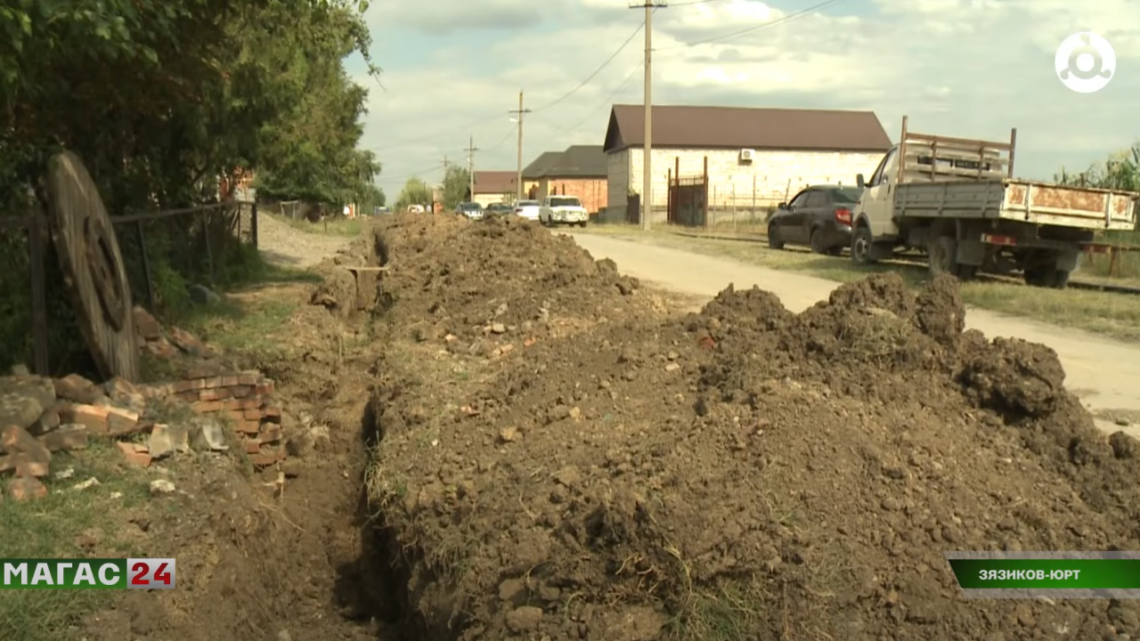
x=520 y=111
x=646 y=163
x=471 y=149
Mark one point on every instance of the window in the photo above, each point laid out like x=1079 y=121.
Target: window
x=877 y=177
x=817 y=199
x=800 y=200
x=846 y=195
x=565 y=201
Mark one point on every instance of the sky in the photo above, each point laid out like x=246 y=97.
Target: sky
x=452 y=71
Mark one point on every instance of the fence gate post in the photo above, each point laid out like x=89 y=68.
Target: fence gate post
x=253 y=223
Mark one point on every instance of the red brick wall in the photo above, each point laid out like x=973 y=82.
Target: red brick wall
x=593 y=191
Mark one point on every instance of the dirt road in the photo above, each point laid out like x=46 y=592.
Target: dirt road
x=285 y=245
x=1105 y=373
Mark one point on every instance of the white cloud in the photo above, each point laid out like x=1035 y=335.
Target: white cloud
x=971 y=68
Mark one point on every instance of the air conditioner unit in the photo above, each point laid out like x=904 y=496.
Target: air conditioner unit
x=746 y=155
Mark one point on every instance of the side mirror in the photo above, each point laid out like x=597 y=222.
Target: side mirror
x=860 y=181
x=782 y=206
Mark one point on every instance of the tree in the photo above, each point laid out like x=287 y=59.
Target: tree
x=415 y=192
x=456 y=182
x=1120 y=171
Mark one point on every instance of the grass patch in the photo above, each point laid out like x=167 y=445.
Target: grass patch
x=249 y=325
x=331 y=226
x=53 y=527
x=1111 y=314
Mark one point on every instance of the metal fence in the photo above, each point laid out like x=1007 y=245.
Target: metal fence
x=243 y=224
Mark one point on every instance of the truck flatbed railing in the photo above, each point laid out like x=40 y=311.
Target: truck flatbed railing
x=928 y=158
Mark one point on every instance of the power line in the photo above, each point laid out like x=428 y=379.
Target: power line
x=791 y=16
x=606 y=101
x=437 y=134
x=596 y=71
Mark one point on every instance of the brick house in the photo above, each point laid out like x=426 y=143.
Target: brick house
x=580 y=170
x=754 y=155
x=494 y=187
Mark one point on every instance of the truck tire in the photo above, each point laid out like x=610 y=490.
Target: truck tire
x=942 y=258
x=1046 y=276
x=861 y=243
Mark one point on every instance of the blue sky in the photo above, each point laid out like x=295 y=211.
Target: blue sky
x=970 y=68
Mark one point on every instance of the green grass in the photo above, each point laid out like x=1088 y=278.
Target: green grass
x=52 y=527
x=1112 y=314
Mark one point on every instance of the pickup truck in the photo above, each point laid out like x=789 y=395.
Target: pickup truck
x=957 y=200
x=562 y=210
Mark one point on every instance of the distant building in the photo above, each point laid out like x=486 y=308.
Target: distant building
x=754 y=155
x=580 y=170
x=494 y=187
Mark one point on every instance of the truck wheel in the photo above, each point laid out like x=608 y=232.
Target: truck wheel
x=1046 y=276
x=774 y=241
x=942 y=257
x=861 y=243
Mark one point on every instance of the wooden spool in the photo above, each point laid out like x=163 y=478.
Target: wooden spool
x=92 y=267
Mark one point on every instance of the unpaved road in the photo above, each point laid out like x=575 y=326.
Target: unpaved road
x=1103 y=372
x=284 y=244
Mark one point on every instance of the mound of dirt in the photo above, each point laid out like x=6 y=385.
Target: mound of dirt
x=741 y=473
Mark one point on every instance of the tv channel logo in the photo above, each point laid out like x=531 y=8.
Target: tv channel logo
x=1085 y=62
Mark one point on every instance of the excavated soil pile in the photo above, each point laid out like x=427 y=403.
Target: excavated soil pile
x=741 y=473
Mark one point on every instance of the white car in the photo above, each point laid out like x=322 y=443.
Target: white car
x=563 y=210
x=527 y=209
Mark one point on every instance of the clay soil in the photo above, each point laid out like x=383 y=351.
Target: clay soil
x=559 y=454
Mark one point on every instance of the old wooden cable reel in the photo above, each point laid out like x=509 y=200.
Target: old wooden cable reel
x=92 y=266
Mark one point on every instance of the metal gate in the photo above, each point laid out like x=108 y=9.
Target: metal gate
x=688 y=201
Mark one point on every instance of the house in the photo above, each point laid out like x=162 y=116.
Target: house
x=760 y=156
x=494 y=187
x=580 y=170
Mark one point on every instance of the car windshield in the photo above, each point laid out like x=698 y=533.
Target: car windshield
x=846 y=195
x=470 y=206
x=528 y=203
x=565 y=202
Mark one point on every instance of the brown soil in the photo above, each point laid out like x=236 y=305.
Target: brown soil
x=561 y=457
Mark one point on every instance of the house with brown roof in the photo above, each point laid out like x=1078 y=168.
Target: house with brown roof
x=754 y=155
x=494 y=187
x=579 y=170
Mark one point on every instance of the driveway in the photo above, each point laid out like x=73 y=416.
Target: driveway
x=1103 y=372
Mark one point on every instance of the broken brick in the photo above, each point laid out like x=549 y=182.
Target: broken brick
x=161 y=348
x=241 y=391
x=77 y=389
x=121 y=422
x=26 y=488
x=16 y=440
x=49 y=420
x=66 y=438
x=28 y=467
x=190 y=385
x=146 y=326
x=93 y=417
x=271 y=411
x=252 y=414
x=230 y=381
x=205 y=407
x=133 y=455
x=265 y=387
x=270 y=433
x=188 y=342
x=212 y=382
x=266 y=457
x=214 y=394
x=248 y=427
x=250 y=378
x=252 y=446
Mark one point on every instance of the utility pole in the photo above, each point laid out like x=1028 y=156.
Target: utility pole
x=646 y=163
x=471 y=149
x=520 y=111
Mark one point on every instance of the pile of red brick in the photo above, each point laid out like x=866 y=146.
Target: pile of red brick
x=245 y=399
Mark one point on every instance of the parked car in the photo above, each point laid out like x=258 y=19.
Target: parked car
x=563 y=210
x=527 y=209
x=416 y=209
x=473 y=211
x=499 y=208
x=819 y=217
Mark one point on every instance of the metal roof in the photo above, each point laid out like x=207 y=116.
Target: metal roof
x=577 y=161
x=538 y=167
x=747 y=128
